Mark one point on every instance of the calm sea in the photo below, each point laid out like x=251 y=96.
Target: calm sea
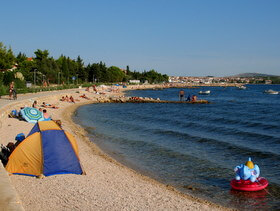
x=195 y=147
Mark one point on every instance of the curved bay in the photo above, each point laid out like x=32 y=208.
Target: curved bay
x=194 y=145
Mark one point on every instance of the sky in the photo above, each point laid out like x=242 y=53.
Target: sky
x=173 y=37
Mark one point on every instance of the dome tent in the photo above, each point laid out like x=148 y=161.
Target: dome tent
x=47 y=150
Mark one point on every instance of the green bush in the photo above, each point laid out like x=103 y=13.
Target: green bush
x=86 y=84
x=3 y=90
x=22 y=89
x=8 y=77
x=19 y=84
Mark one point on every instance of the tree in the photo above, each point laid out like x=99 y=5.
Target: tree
x=64 y=68
x=8 y=77
x=81 y=71
x=115 y=74
x=94 y=72
x=127 y=70
x=103 y=70
x=7 y=58
x=25 y=66
x=21 y=57
x=41 y=55
x=46 y=68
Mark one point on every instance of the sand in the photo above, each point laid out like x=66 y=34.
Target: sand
x=107 y=185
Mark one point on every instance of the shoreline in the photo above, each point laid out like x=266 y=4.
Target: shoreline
x=132 y=190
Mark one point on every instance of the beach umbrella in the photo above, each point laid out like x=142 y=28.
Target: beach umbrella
x=32 y=115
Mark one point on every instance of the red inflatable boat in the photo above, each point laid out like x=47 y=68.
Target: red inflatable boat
x=247 y=185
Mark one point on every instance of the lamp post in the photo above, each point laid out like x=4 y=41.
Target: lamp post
x=35 y=77
x=58 y=77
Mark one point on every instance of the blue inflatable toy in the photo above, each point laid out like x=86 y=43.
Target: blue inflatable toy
x=247 y=177
x=248 y=171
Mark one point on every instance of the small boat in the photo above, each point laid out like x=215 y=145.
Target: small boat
x=207 y=92
x=272 y=92
x=247 y=185
x=242 y=87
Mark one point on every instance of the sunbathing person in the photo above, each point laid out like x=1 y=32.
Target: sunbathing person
x=72 y=100
x=94 y=88
x=48 y=105
x=62 y=98
x=16 y=114
x=84 y=96
x=47 y=117
x=13 y=114
x=135 y=98
x=58 y=122
x=35 y=105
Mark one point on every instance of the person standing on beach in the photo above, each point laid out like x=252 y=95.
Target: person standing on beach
x=181 y=95
x=11 y=89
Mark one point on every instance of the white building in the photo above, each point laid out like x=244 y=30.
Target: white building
x=134 y=81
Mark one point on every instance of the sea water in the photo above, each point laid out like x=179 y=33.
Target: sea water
x=195 y=147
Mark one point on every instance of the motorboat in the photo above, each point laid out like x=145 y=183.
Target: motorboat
x=207 y=92
x=242 y=87
x=272 y=92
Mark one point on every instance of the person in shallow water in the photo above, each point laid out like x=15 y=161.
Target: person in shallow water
x=194 y=98
x=189 y=98
x=181 y=95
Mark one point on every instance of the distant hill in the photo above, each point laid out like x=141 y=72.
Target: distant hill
x=252 y=75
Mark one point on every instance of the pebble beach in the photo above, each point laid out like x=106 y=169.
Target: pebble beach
x=107 y=185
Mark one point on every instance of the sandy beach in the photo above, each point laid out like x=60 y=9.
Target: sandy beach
x=107 y=185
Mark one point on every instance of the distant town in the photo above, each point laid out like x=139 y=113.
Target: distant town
x=221 y=80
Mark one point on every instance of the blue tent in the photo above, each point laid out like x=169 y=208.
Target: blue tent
x=47 y=150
